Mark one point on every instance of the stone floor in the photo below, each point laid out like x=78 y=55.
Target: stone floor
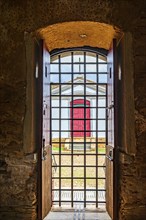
x=77 y=215
x=79 y=212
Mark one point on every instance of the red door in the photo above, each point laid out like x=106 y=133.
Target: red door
x=78 y=118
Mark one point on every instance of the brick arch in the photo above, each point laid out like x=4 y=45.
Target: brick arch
x=78 y=34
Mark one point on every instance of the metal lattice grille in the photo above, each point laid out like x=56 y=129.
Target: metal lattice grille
x=78 y=128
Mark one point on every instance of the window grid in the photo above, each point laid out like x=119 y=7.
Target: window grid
x=60 y=96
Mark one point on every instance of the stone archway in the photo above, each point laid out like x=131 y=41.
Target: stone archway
x=79 y=34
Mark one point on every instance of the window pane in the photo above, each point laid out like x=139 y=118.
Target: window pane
x=78 y=160
x=65 y=100
x=90 y=57
x=93 y=125
x=54 y=68
x=78 y=90
x=55 y=149
x=101 y=147
x=65 y=126
x=94 y=104
x=54 y=78
x=101 y=90
x=102 y=136
x=55 y=113
x=102 y=102
x=90 y=172
x=93 y=113
x=55 y=102
x=66 y=89
x=65 y=113
x=65 y=196
x=55 y=125
x=64 y=134
x=78 y=68
x=102 y=68
x=78 y=56
x=78 y=78
x=91 y=68
x=78 y=184
x=65 y=57
x=101 y=113
x=91 y=78
x=101 y=160
x=66 y=171
x=101 y=184
x=66 y=78
x=65 y=68
x=78 y=171
x=55 y=186
x=91 y=160
x=91 y=195
x=55 y=160
x=66 y=160
x=102 y=78
x=54 y=90
x=91 y=90
x=55 y=135
x=101 y=125
x=102 y=59
x=54 y=59
x=66 y=183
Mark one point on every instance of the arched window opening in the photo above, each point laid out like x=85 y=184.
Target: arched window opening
x=78 y=127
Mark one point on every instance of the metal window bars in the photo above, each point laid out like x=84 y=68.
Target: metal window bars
x=79 y=159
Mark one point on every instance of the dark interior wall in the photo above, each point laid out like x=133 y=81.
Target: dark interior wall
x=18 y=177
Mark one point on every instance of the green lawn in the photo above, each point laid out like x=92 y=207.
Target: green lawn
x=101 y=150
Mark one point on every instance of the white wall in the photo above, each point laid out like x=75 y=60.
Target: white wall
x=65 y=113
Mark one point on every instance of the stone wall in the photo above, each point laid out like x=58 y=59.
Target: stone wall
x=18 y=175
x=132 y=168
x=18 y=187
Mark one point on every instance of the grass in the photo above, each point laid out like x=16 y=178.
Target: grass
x=101 y=150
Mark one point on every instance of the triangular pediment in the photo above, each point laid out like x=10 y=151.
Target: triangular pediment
x=78 y=88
